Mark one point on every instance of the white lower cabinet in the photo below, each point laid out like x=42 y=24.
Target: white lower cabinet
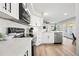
x=16 y=47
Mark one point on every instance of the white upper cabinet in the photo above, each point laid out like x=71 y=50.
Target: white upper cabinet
x=9 y=10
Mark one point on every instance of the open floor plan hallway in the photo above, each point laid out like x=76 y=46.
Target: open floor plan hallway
x=65 y=49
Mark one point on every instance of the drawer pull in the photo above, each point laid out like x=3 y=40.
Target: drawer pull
x=26 y=53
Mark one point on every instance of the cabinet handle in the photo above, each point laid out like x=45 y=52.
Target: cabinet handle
x=26 y=53
x=10 y=7
x=5 y=6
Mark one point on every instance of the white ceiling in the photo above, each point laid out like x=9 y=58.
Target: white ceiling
x=55 y=10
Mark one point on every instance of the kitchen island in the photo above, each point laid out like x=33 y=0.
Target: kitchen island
x=49 y=38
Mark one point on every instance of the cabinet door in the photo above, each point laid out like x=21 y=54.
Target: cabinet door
x=4 y=7
x=51 y=38
x=28 y=48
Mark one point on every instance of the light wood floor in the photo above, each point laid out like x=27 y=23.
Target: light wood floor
x=65 y=49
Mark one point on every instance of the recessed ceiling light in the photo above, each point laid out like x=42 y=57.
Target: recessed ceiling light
x=45 y=14
x=65 y=14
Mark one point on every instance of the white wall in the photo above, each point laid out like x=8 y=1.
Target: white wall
x=6 y=23
x=77 y=29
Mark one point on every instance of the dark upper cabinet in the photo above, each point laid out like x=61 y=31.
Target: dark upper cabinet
x=23 y=14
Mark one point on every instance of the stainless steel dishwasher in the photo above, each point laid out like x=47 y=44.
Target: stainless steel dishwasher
x=58 y=37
